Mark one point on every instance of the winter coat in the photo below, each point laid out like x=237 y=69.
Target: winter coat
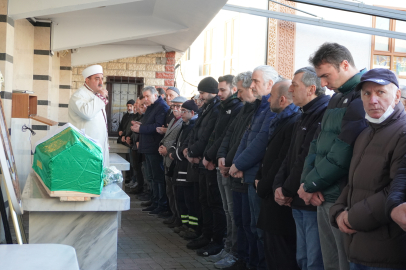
x=252 y=146
x=288 y=176
x=134 y=135
x=378 y=152
x=154 y=117
x=181 y=163
x=170 y=137
x=232 y=139
x=274 y=218
x=327 y=164
x=397 y=192
x=228 y=110
x=125 y=119
x=204 y=126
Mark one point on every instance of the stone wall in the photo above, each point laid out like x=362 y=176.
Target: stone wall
x=157 y=69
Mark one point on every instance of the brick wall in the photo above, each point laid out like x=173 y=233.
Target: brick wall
x=157 y=69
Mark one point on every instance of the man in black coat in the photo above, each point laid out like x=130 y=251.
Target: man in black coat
x=308 y=94
x=247 y=247
x=276 y=220
x=210 y=198
x=229 y=108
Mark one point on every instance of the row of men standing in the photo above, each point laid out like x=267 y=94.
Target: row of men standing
x=293 y=178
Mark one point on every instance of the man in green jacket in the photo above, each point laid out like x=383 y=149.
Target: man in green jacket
x=325 y=172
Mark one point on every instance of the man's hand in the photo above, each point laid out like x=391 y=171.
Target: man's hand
x=128 y=140
x=138 y=144
x=123 y=139
x=343 y=224
x=170 y=156
x=211 y=166
x=222 y=163
x=196 y=160
x=281 y=199
x=135 y=128
x=185 y=152
x=317 y=199
x=239 y=174
x=304 y=195
x=398 y=215
x=233 y=170
x=102 y=92
x=161 y=130
x=120 y=133
x=205 y=163
x=162 y=150
x=256 y=183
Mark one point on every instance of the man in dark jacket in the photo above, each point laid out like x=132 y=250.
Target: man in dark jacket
x=308 y=94
x=275 y=220
x=125 y=120
x=148 y=145
x=229 y=107
x=252 y=147
x=372 y=240
x=247 y=247
x=327 y=164
x=213 y=227
x=185 y=189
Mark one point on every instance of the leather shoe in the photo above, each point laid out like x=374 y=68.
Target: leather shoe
x=146 y=204
x=198 y=243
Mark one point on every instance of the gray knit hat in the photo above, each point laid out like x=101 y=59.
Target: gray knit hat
x=179 y=99
x=174 y=89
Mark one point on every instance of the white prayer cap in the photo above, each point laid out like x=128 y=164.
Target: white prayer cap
x=89 y=71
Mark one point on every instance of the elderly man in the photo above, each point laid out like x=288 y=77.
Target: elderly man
x=275 y=220
x=247 y=254
x=326 y=166
x=372 y=240
x=252 y=147
x=148 y=145
x=308 y=94
x=86 y=109
x=169 y=138
x=171 y=93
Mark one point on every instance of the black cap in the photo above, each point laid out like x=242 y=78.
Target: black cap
x=131 y=101
x=208 y=85
x=190 y=105
x=380 y=76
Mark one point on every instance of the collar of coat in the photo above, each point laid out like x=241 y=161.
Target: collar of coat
x=314 y=104
x=230 y=101
x=351 y=83
x=399 y=111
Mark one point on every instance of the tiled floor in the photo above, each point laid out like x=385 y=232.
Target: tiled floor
x=145 y=243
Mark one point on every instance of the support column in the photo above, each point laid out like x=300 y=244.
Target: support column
x=65 y=80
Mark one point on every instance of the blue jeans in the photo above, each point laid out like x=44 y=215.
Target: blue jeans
x=247 y=244
x=155 y=167
x=255 y=207
x=355 y=266
x=308 y=252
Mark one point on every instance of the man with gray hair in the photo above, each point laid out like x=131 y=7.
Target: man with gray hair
x=149 y=140
x=308 y=94
x=252 y=147
x=327 y=165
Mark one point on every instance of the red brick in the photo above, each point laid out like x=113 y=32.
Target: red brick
x=169 y=82
x=165 y=75
x=170 y=54
x=170 y=61
x=170 y=68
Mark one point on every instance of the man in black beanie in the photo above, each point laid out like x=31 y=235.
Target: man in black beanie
x=124 y=120
x=214 y=220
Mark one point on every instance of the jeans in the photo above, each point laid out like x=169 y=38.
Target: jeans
x=308 y=253
x=331 y=241
x=255 y=206
x=214 y=219
x=224 y=183
x=355 y=266
x=247 y=249
x=154 y=164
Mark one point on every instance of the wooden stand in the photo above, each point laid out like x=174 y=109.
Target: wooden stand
x=67 y=196
x=25 y=106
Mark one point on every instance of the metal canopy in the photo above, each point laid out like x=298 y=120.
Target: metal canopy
x=316 y=22
x=357 y=8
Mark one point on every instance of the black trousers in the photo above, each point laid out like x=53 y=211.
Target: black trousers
x=136 y=166
x=185 y=200
x=280 y=251
x=214 y=218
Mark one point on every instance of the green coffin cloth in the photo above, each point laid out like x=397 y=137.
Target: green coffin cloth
x=69 y=161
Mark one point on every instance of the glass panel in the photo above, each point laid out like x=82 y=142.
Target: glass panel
x=382 y=43
x=400 y=44
x=381 y=61
x=207 y=55
x=399 y=66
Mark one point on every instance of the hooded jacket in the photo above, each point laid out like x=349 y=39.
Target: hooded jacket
x=327 y=164
x=252 y=146
x=228 y=110
x=378 y=152
x=274 y=218
x=154 y=117
x=288 y=176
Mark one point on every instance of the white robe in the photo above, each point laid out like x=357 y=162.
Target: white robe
x=87 y=112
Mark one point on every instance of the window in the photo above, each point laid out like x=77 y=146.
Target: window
x=386 y=52
x=121 y=90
